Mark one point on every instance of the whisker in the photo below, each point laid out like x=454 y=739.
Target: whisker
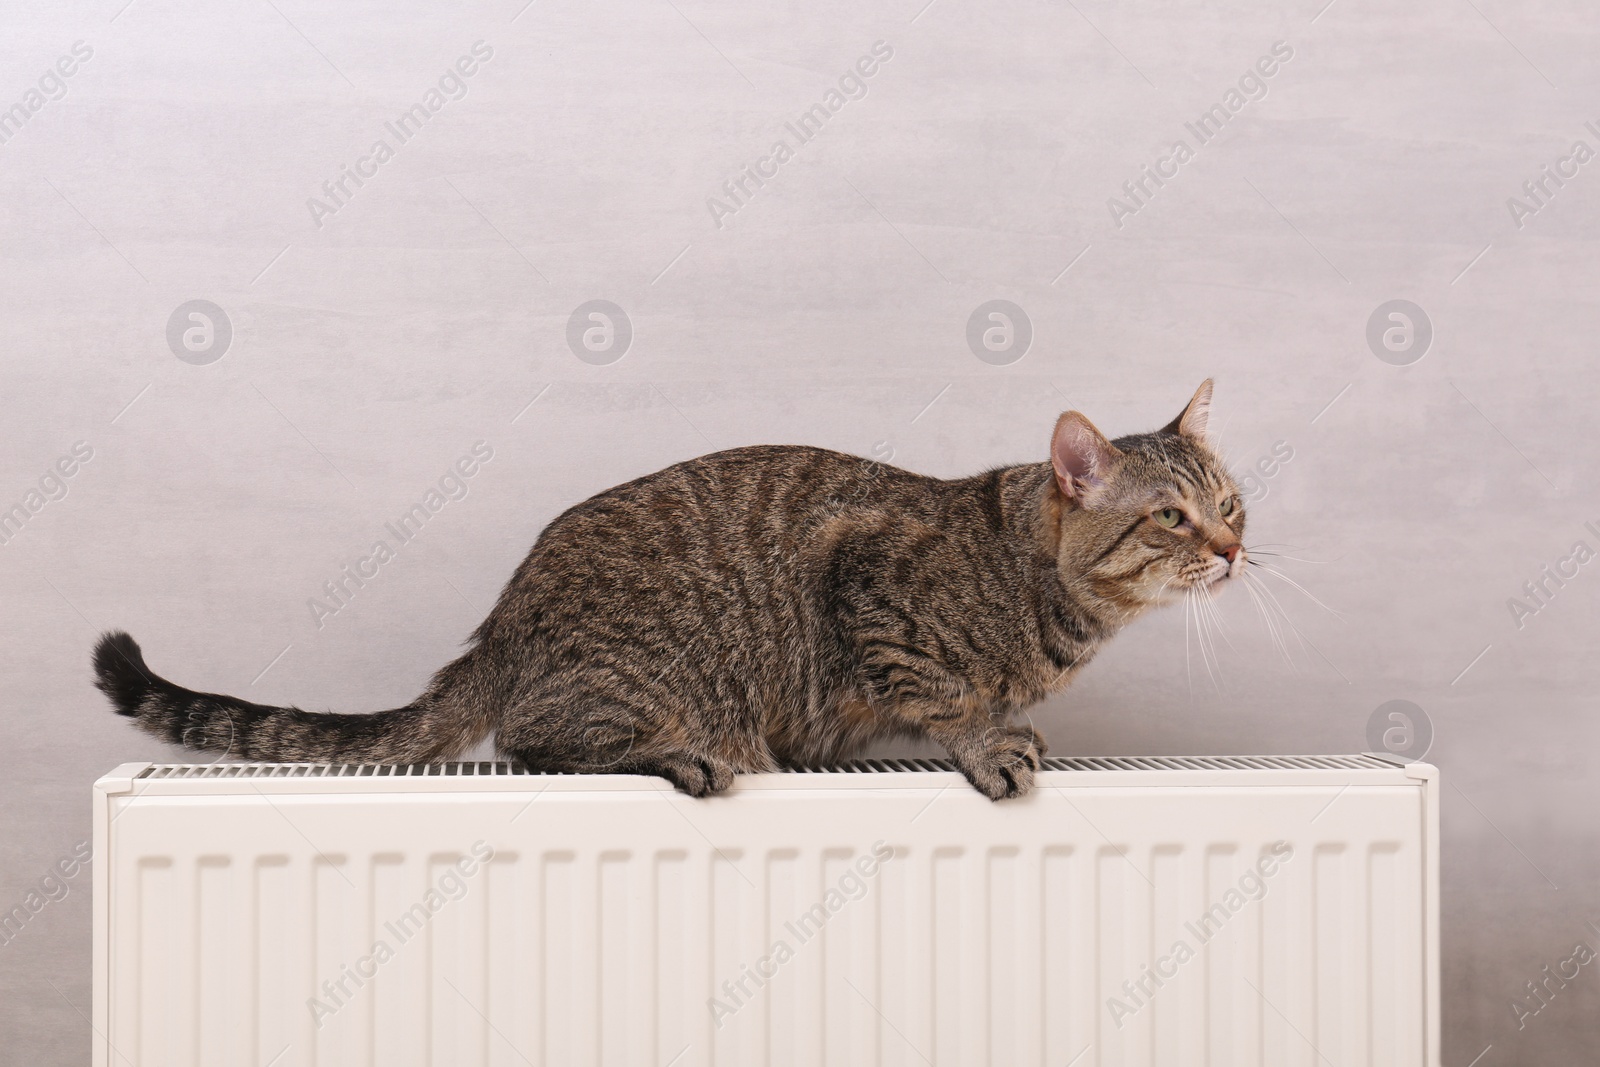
x=1268 y=569
x=1208 y=648
x=1266 y=547
x=1256 y=601
x=1274 y=631
x=1277 y=605
x=1301 y=638
x=1209 y=592
x=1284 y=555
x=1209 y=600
x=1188 y=615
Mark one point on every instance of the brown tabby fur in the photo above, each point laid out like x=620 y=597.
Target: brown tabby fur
x=779 y=606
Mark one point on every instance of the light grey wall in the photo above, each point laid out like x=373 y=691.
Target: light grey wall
x=831 y=308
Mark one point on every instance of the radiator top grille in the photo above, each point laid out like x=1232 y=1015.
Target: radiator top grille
x=498 y=769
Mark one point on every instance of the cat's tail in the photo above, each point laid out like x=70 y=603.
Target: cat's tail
x=445 y=721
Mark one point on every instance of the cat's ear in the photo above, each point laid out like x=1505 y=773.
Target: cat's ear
x=1192 y=423
x=1080 y=454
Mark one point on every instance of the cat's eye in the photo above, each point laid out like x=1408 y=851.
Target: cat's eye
x=1226 y=507
x=1169 y=517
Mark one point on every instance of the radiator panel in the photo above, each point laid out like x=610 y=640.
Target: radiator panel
x=1114 y=918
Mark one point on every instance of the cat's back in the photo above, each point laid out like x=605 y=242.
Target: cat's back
x=759 y=495
x=718 y=539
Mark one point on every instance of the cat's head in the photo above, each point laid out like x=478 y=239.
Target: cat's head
x=1151 y=515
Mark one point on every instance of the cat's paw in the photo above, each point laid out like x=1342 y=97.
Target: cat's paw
x=698 y=776
x=1005 y=762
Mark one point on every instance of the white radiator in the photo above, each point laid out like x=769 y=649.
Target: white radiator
x=1235 y=912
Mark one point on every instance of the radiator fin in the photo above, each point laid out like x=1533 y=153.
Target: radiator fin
x=501 y=769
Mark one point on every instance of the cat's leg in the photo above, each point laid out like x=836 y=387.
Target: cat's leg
x=702 y=759
x=698 y=774
x=919 y=695
x=591 y=733
x=999 y=761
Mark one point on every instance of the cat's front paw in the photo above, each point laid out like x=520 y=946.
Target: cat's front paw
x=1004 y=763
x=696 y=775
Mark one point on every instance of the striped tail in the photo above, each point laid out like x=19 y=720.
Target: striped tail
x=437 y=726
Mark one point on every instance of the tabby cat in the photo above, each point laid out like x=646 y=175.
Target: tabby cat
x=782 y=606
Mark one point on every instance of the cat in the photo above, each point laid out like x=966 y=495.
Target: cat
x=782 y=606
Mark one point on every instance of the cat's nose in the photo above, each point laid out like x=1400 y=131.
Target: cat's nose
x=1230 y=553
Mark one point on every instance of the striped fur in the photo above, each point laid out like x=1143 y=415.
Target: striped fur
x=778 y=605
